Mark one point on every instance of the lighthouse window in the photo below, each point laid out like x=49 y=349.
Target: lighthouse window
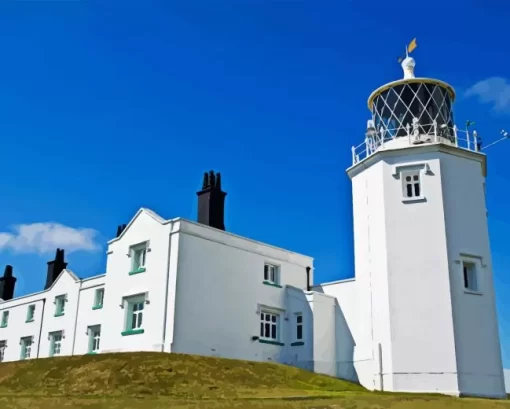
x=412 y=186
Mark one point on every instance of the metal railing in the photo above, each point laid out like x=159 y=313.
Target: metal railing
x=376 y=140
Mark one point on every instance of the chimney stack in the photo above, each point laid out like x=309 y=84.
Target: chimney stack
x=55 y=267
x=211 y=201
x=120 y=229
x=7 y=283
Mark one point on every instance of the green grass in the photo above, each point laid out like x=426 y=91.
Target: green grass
x=155 y=380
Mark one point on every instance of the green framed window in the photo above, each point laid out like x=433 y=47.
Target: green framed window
x=26 y=347
x=5 y=319
x=94 y=339
x=298 y=334
x=272 y=275
x=55 y=343
x=138 y=258
x=30 y=313
x=98 y=299
x=3 y=346
x=60 y=305
x=135 y=309
x=270 y=327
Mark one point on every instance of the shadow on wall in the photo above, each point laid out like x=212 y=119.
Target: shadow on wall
x=345 y=344
x=296 y=352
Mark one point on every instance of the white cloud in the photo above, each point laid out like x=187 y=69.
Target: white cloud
x=494 y=91
x=46 y=237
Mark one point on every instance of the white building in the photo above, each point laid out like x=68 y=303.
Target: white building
x=419 y=316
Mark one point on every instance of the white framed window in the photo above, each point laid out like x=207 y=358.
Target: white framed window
x=470 y=276
x=30 y=313
x=269 y=325
x=138 y=258
x=26 y=347
x=94 y=338
x=135 y=307
x=299 y=326
x=98 y=298
x=271 y=274
x=5 y=319
x=60 y=305
x=3 y=346
x=411 y=184
x=55 y=343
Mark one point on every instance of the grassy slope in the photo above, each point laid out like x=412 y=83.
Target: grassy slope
x=154 y=380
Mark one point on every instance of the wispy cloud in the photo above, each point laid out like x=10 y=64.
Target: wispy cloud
x=46 y=237
x=494 y=91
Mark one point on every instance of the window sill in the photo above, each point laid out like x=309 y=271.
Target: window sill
x=271 y=284
x=473 y=292
x=27 y=321
x=297 y=344
x=413 y=199
x=97 y=307
x=140 y=270
x=132 y=332
x=267 y=341
x=59 y=314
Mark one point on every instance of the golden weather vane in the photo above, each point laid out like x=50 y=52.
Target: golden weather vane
x=409 y=49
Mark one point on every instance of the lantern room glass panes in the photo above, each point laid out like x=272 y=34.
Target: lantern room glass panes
x=395 y=108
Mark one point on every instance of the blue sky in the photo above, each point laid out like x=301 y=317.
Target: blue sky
x=106 y=107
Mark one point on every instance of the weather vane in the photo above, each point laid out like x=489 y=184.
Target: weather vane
x=409 y=49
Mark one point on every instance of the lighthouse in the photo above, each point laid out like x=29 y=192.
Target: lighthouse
x=426 y=311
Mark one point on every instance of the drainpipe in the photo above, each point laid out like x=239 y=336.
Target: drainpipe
x=40 y=328
x=308 y=286
x=166 y=289
x=76 y=318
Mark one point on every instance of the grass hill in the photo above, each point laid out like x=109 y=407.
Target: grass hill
x=155 y=380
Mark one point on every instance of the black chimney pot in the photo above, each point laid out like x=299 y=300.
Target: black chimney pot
x=55 y=267
x=211 y=201
x=7 y=283
x=120 y=229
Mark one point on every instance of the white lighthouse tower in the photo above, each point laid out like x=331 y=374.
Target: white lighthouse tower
x=426 y=304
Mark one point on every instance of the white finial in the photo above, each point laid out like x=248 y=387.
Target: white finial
x=408 y=66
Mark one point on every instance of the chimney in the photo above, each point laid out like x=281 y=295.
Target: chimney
x=308 y=284
x=7 y=283
x=211 y=201
x=120 y=229
x=55 y=267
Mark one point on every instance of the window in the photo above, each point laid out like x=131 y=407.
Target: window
x=469 y=276
x=60 y=305
x=30 y=313
x=3 y=345
x=299 y=326
x=271 y=275
x=98 y=298
x=269 y=322
x=94 y=339
x=138 y=255
x=55 y=343
x=26 y=347
x=411 y=184
x=5 y=319
x=134 y=315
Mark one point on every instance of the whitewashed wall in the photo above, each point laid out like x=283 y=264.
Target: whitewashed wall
x=119 y=284
x=476 y=328
x=220 y=291
x=347 y=315
x=87 y=316
x=18 y=327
